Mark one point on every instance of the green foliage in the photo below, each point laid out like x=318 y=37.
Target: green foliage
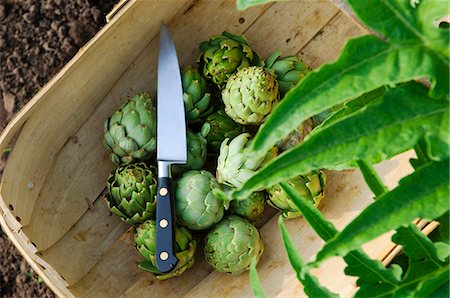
x=427 y=270
x=359 y=264
x=258 y=291
x=384 y=113
x=427 y=260
x=311 y=286
x=424 y=193
x=371 y=177
x=385 y=127
x=412 y=48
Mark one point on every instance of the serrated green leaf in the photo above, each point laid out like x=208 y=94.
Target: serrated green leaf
x=382 y=129
x=311 y=286
x=421 y=251
x=244 y=4
x=257 y=289
x=351 y=107
x=424 y=266
x=424 y=194
x=441 y=233
x=369 y=271
x=371 y=177
x=310 y=213
x=414 y=49
x=435 y=286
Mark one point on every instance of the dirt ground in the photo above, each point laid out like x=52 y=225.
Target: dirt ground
x=37 y=38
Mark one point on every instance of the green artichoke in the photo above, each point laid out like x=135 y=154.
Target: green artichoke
x=196 y=98
x=223 y=55
x=196 y=155
x=310 y=186
x=130 y=133
x=218 y=127
x=185 y=246
x=250 y=95
x=296 y=136
x=233 y=166
x=195 y=205
x=289 y=70
x=232 y=244
x=250 y=208
x=132 y=193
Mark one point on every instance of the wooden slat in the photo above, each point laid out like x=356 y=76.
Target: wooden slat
x=114 y=273
x=346 y=196
x=74 y=255
x=289 y=25
x=28 y=251
x=326 y=46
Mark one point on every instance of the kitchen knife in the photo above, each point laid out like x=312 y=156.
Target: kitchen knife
x=171 y=147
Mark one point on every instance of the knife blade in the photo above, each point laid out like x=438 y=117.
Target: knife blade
x=171 y=147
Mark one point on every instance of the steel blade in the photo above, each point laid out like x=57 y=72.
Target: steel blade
x=171 y=125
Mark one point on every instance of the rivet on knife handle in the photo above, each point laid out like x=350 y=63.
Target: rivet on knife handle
x=165 y=228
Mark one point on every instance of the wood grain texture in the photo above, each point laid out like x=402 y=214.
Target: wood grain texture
x=328 y=42
x=109 y=278
x=308 y=16
x=86 y=243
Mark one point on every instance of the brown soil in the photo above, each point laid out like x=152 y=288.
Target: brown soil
x=37 y=38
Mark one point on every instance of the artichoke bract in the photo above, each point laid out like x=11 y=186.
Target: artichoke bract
x=185 y=246
x=197 y=101
x=218 y=127
x=250 y=208
x=222 y=55
x=296 y=136
x=130 y=133
x=310 y=186
x=289 y=70
x=132 y=193
x=232 y=244
x=250 y=95
x=196 y=154
x=195 y=205
x=234 y=167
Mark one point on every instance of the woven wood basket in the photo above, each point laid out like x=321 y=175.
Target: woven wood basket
x=50 y=193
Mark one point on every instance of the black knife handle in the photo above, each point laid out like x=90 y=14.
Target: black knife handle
x=165 y=228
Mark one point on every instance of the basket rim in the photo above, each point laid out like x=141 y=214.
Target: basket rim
x=12 y=228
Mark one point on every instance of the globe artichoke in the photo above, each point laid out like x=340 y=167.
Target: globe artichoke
x=195 y=205
x=296 y=136
x=130 y=133
x=232 y=244
x=218 y=127
x=250 y=208
x=132 y=193
x=233 y=166
x=222 y=55
x=310 y=186
x=185 y=246
x=250 y=95
x=289 y=70
x=196 y=99
x=196 y=155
